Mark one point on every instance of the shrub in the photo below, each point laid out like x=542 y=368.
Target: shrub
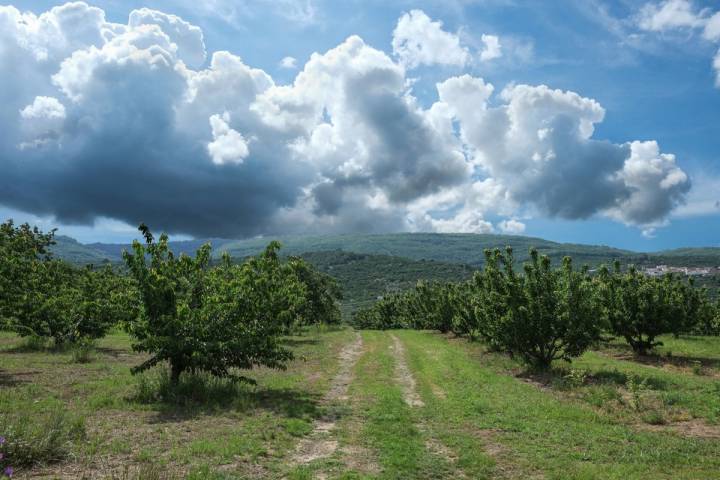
x=211 y=320
x=82 y=351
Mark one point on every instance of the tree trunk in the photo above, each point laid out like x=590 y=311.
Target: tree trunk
x=175 y=370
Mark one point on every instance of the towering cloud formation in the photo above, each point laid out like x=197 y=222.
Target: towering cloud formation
x=132 y=122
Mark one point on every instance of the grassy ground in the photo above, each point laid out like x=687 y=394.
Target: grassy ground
x=241 y=431
x=407 y=405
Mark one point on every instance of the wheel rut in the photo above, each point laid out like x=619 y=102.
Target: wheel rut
x=320 y=443
x=404 y=376
x=406 y=380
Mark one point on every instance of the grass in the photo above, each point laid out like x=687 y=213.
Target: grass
x=536 y=431
x=608 y=415
x=223 y=430
x=37 y=436
x=391 y=427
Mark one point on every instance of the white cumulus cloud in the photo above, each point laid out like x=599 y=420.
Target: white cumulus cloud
x=226 y=151
x=418 y=40
x=228 y=145
x=491 y=48
x=289 y=63
x=512 y=226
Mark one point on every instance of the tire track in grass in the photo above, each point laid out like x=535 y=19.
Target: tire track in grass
x=403 y=374
x=320 y=443
x=405 y=378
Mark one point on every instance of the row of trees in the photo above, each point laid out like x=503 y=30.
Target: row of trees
x=547 y=313
x=47 y=298
x=187 y=311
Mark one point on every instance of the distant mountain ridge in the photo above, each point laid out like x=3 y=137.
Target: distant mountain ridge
x=455 y=248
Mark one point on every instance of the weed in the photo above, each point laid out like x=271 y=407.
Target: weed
x=654 y=417
x=198 y=388
x=82 y=351
x=636 y=388
x=574 y=378
x=697 y=367
x=33 y=438
x=34 y=343
x=601 y=395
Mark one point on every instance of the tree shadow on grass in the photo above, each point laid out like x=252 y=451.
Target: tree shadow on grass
x=625 y=352
x=114 y=352
x=288 y=403
x=15 y=379
x=616 y=377
x=564 y=377
x=201 y=394
x=298 y=342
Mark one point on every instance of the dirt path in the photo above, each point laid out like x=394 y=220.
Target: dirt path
x=320 y=444
x=404 y=376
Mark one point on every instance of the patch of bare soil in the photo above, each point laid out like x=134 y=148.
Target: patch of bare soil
x=696 y=428
x=404 y=376
x=436 y=447
x=359 y=459
x=437 y=391
x=505 y=466
x=319 y=443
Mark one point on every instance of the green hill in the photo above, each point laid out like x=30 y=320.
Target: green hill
x=364 y=277
x=75 y=252
x=367 y=266
x=449 y=248
x=452 y=248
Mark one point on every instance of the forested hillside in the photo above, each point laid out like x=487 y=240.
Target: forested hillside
x=451 y=248
x=364 y=277
x=369 y=266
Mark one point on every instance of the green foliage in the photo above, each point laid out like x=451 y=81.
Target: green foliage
x=203 y=319
x=551 y=312
x=322 y=294
x=366 y=277
x=708 y=321
x=543 y=315
x=433 y=306
x=47 y=298
x=22 y=250
x=390 y=312
x=639 y=308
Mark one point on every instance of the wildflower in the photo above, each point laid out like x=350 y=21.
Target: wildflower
x=2 y=439
x=9 y=471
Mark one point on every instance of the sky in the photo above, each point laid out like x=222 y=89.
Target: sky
x=587 y=122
